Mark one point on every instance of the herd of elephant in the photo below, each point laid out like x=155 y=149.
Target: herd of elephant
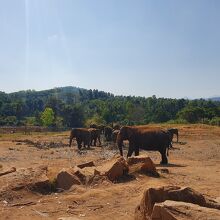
x=139 y=137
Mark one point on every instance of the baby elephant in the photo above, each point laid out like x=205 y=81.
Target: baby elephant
x=108 y=133
x=95 y=135
x=82 y=135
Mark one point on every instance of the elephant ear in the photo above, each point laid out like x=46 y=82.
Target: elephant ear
x=130 y=133
x=125 y=133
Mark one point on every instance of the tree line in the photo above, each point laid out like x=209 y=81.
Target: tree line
x=75 y=107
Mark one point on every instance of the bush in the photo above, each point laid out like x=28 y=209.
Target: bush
x=215 y=121
x=30 y=121
x=96 y=119
x=11 y=120
x=177 y=121
x=206 y=121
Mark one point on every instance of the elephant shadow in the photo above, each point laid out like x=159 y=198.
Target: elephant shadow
x=170 y=165
x=83 y=151
x=181 y=142
x=126 y=178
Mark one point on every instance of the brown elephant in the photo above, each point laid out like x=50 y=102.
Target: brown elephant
x=95 y=135
x=108 y=133
x=173 y=131
x=100 y=127
x=114 y=135
x=141 y=137
x=82 y=135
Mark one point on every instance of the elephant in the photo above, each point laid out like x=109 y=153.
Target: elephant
x=100 y=127
x=95 y=135
x=82 y=135
x=173 y=131
x=141 y=137
x=114 y=135
x=108 y=133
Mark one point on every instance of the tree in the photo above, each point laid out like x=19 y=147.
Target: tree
x=191 y=114
x=73 y=116
x=47 y=117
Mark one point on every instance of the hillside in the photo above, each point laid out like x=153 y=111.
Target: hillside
x=74 y=107
x=215 y=99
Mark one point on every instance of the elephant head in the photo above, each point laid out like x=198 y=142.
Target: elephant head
x=124 y=134
x=72 y=135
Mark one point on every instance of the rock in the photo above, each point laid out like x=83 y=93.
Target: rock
x=142 y=164
x=113 y=169
x=33 y=178
x=172 y=210
x=175 y=193
x=164 y=170
x=88 y=164
x=13 y=169
x=40 y=182
x=217 y=199
x=85 y=174
x=66 y=178
x=99 y=180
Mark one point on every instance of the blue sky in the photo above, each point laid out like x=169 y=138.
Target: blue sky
x=128 y=47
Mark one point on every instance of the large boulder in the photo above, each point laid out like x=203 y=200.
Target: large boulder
x=172 y=210
x=38 y=180
x=142 y=164
x=158 y=195
x=113 y=169
x=85 y=174
x=66 y=178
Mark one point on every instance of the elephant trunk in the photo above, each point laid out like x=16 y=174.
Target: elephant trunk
x=119 y=142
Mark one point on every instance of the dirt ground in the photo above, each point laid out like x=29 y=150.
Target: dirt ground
x=195 y=162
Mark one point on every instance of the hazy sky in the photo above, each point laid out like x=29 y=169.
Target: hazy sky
x=167 y=48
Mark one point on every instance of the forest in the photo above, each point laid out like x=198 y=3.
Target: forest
x=67 y=107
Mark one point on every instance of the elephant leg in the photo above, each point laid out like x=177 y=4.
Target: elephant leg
x=70 y=141
x=130 y=150
x=88 y=143
x=79 y=144
x=164 y=157
x=136 y=151
x=95 y=141
x=99 y=140
x=109 y=137
x=120 y=148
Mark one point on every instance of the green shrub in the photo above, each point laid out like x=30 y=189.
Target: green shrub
x=215 y=121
